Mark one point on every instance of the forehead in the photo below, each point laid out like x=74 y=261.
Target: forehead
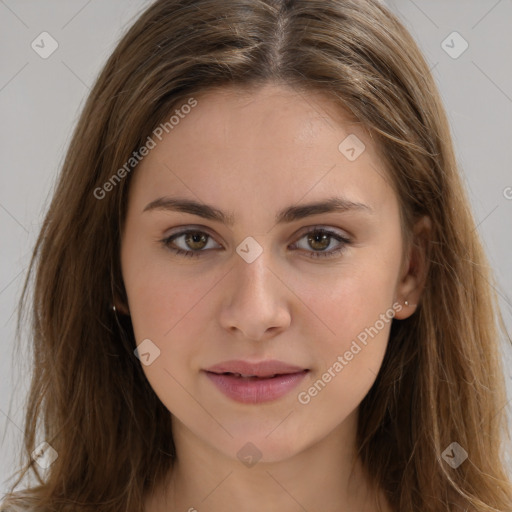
x=262 y=145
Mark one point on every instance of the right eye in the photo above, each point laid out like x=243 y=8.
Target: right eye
x=194 y=242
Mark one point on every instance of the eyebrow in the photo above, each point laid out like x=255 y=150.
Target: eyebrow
x=286 y=215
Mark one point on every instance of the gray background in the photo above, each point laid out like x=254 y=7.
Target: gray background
x=40 y=100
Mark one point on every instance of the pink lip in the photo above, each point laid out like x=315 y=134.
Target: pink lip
x=269 y=380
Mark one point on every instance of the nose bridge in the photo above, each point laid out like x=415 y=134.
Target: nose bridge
x=256 y=301
x=253 y=276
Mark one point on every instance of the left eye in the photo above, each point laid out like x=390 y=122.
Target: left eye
x=318 y=239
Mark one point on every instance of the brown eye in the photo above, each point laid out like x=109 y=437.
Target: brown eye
x=196 y=240
x=319 y=240
x=192 y=242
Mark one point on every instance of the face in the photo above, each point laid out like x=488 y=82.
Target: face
x=314 y=289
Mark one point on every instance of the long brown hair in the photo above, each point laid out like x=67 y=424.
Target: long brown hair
x=441 y=380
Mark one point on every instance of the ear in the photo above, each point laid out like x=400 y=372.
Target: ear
x=414 y=270
x=121 y=305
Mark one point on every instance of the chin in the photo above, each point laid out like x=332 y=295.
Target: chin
x=257 y=442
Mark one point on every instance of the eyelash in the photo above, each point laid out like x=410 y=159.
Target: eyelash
x=312 y=254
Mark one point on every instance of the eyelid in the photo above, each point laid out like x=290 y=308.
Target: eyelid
x=323 y=227
x=303 y=230
x=181 y=230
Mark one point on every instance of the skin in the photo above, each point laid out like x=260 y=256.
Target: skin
x=252 y=153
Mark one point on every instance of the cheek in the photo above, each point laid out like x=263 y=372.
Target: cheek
x=169 y=309
x=358 y=312
x=350 y=298
x=161 y=295
x=354 y=306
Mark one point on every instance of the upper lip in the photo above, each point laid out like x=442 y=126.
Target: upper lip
x=267 y=368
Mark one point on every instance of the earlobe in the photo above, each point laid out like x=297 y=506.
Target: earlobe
x=120 y=307
x=414 y=274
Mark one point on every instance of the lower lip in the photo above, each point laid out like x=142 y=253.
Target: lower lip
x=250 y=391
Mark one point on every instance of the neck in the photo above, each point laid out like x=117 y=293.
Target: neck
x=324 y=476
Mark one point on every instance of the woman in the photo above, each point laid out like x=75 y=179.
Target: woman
x=259 y=284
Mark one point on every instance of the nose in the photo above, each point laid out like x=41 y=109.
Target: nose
x=256 y=304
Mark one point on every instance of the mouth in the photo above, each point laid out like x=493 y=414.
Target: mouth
x=255 y=382
x=253 y=377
